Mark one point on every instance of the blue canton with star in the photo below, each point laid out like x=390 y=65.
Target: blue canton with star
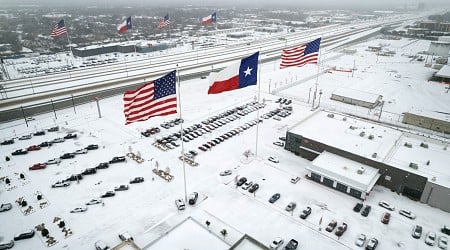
x=165 y=86
x=248 y=71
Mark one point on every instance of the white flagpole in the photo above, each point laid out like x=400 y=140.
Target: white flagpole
x=181 y=132
x=68 y=41
x=170 y=35
x=317 y=80
x=257 y=111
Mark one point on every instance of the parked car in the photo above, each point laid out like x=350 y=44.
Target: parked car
x=33 y=148
x=38 y=166
x=291 y=245
x=372 y=244
x=94 y=201
x=247 y=185
x=291 y=206
x=137 y=180
x=5 y=207
x=74 y=177
x=108 y=194
x=295 y=179
x=39 y=133
x=430 y=238
x=226 y=172
x=25 y=137
x=6 y=244
x=193 y=198
x=180 y=204
x=407 y=214
x=276 y=243
x=53 y=129
x=102 y=165
x=117 y=159
x=278 y=143
x=273 y=159
x=386 y=205
x=366 y=210
x=305 y=213
x=58 y=140
x=357 y=207
x=241 y=181
x=124 y=236
x=79 y=210
x=70 y=136
x=19 y=152
x=331 y=226
x=67 y=156
x=121 y=188
x=53 y=161
x=445 y=230
x=81 y=151
x=45 y=144
x=417 y=232
x=442 y=242
x=274 y=198
x=386 y=218
x=253 y=188
x=7 y=142
x=61 y=184
x=341 y=229
x=100 y=245
x=360 y=240
x=89 y=171
x=24 y=235
x=92 y=147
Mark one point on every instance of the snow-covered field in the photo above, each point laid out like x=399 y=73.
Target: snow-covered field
x=147 y=210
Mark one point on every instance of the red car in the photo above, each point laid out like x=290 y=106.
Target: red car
x=38 y=166
x=33 y=148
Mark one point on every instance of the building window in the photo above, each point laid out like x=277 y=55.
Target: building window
x=328 y=182
x=341 y=187
x=355 y=193
x=315 y=177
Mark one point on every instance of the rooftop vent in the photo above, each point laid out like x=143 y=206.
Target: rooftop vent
x=424 y=145
x=362 y=134
x=374 y=155
x=371 y=137
x=331 y=115
x=352 y=128
x=361 y=170
x=408 y=145
x=344 y=119
x=413 y=165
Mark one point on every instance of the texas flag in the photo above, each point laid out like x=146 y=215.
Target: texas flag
x=209 y=19
x=125 y=25
x=236 y=76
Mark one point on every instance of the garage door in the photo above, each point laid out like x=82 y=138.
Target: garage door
x=315 y=177
x=355 y=193
x=328 y=182
x=341 y=187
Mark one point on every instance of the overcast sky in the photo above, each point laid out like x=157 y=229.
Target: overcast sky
x=229 y=3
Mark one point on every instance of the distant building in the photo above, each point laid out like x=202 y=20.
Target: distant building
x=439 y=48
x=439 y=123
x=357 y=97
x=139 y=46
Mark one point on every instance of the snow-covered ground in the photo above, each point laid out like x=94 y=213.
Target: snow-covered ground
x=147 y=210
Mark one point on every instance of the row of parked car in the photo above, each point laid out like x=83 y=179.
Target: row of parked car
x=247 y=185
x=179 y=203
x=430 y=237
x=28 y=136
x=43 y=144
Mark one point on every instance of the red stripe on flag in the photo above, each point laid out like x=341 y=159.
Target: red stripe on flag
x=227 y=85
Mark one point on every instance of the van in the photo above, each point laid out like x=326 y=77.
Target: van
x=125 y=236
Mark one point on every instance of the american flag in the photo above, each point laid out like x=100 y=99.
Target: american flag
x=59 y=29
x=155 y=98
x=163 y=22
x=301 y=55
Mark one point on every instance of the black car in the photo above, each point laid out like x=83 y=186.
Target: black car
x=241 y=181
x=341 y=229
x=305 y=213
x=137 y=180
x=357 y=207
x=366 y=211
x=193 y=198
x=92 y=147
x=253 y=188
x=38 y=133
x=19 y=152
x=117 y=159
x=67 y=156
x=53 y=129
x=274 y=198
x=75 y=177
x=25 y=235
x=70 y=136
x=445 y=230
x=108 y=194
x=88 y=171
x=7 y=142
x=102 y=165
x=291 y=245
x=45 y=144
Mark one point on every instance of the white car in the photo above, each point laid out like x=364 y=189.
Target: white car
x=247 y=185
x=180 y=204
x=276 y=243
x=386 y=205
x=61 y=184
x=79 y=210
x=273 y=159
x=53 y=161
x=442 y=243
x=226 y=172
x=295 y=180
x=407 y=214
x=278 y=143
x=94 y=201
x=430 y=239
x=81 y=151
x=360 y=240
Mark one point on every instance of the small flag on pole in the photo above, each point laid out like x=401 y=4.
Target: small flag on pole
x=301 y=55
x=209 y=19
x=59 y=29
x=155 y=98
x=320 y=221
x=125 y=25
x=163 y=22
